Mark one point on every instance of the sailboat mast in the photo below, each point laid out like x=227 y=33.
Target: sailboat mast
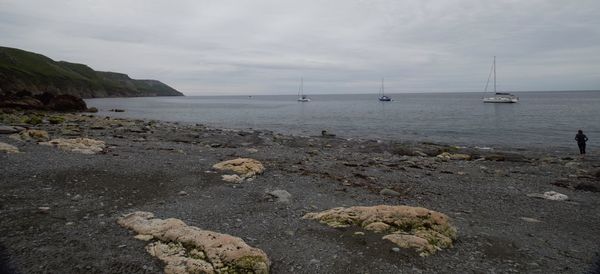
x=494 y=74
x=382 y=87
x=301 y=89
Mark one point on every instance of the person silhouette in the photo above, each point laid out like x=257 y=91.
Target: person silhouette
x=581 y=139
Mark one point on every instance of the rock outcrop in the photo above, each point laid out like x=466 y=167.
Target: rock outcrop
x=81 y=145
x=425 y=230
x=188 y=249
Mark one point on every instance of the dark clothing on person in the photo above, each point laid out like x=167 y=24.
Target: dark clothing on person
x=581 y=139
x=581 y=148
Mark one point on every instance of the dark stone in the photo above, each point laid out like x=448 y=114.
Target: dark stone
x=117 y=110
x=92 y=110
x=67 y=103
x=588 y=186
x=22 y=103
x=23 y=93
x=509 y=157
x=45 y=97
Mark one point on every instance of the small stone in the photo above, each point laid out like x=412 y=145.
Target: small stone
x=77 y=197
x=232 y=178
x=396 y=249
x=314 y=261
x=144 y=237
x=251 y=150
x=69 y=223
x=530 y=220
x=43 y=209
x=389 y=192
x=281 y=195
x=182 y=193
x=359 y=233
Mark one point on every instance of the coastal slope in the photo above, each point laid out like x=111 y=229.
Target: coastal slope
x=36 y=73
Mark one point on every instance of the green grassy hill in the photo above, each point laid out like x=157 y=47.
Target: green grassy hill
x=23 y=70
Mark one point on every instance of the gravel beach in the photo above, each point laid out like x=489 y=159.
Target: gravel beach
x=59 y=208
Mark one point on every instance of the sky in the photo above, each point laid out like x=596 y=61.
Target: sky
x=244 y=47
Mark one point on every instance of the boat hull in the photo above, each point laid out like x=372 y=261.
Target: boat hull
x=500 y=100
x=303 y=100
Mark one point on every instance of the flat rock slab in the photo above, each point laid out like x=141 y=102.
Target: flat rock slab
x=425 y=230
x=4 y=147
x=188 y=249
x=81 y=145
x=8 y=130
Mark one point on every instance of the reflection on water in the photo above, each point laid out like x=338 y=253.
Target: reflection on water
x=540 y=119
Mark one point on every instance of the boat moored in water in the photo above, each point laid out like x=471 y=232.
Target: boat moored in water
x=498 y=97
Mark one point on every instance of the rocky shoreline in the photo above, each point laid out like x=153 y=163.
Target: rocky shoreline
x=67 y=178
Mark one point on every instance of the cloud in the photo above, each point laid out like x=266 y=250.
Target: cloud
x=345 y=46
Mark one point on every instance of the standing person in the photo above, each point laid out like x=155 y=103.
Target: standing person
x=581 y=139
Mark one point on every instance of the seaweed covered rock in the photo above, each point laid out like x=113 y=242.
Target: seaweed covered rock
x=425 y=230
x=188 y=249
x=31 y=134
x=246 y=167
x=81 y=145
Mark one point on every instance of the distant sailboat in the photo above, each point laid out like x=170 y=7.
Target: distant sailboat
x=382 y=96
x=301 y=96
x=499 y=97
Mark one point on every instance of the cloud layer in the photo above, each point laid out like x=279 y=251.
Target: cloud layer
x=338 y=46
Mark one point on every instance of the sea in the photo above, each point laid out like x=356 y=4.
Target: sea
x=541 y=120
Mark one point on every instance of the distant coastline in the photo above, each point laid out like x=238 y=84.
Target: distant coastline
x=35 y=73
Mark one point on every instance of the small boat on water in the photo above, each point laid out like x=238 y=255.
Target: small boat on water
x=498 y=97
x=301 y=96
x=382 y=96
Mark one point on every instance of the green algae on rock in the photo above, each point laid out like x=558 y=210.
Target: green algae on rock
x=425 y=230
x=188 y=249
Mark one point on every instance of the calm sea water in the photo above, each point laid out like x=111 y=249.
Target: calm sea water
x=542 y=120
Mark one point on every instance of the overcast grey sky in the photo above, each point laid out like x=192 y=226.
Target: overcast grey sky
x=338 y=46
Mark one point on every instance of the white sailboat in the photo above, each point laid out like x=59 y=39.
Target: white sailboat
x=498 y=97
x=301 y=96
x=382 y=96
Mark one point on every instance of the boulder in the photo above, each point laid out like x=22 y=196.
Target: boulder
x=245 y=167
x=4 y=147
x=425 y=230
x=81 y=145
x=66 y=103
x=92 y=110
x=189 y=249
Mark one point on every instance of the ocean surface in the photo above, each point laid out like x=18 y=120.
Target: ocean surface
x=541 y=120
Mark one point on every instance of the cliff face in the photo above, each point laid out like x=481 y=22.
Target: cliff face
x=23 y=70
